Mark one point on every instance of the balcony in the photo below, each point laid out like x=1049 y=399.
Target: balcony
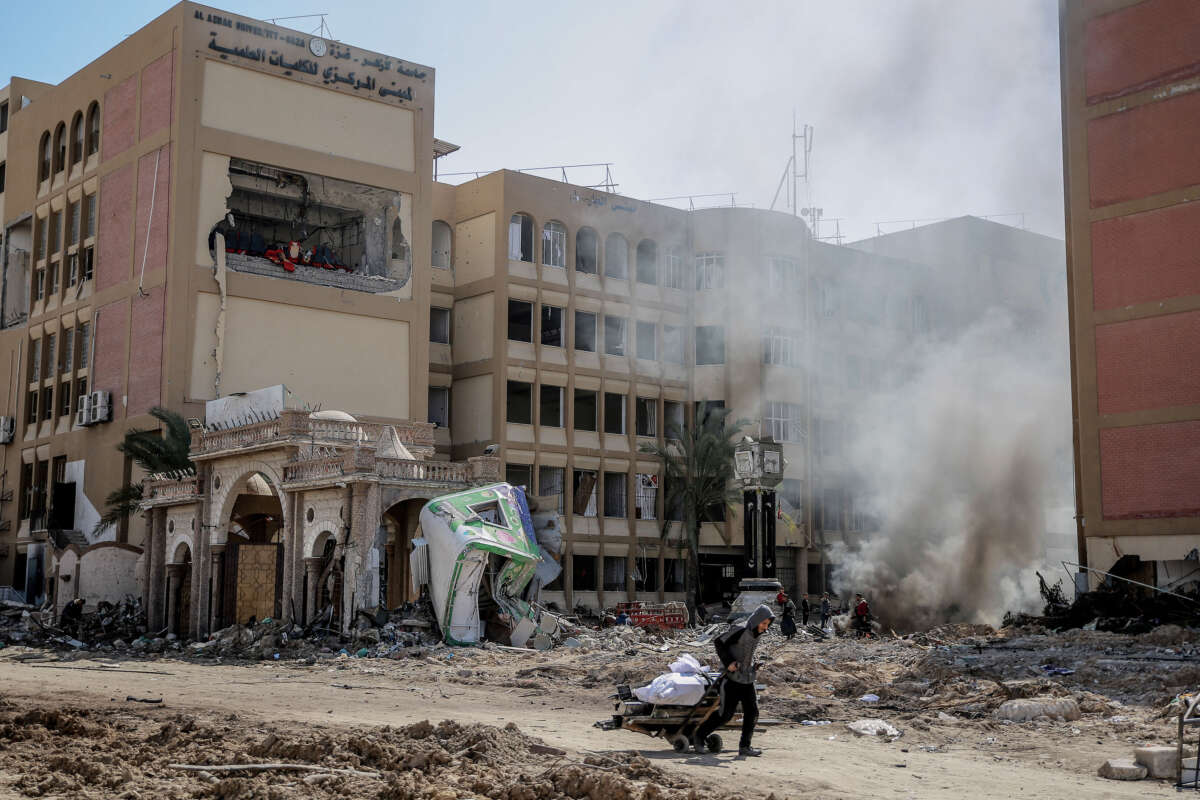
x=297 y=428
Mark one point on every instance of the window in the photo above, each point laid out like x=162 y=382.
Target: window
x=88 y=262
x=51 y=364
x=520 y=402
x=56 y=220
x=68 y=350
x=646 y=345
x=646 y=577
x=645 y=496
x=89 y=202
x=647 y=416
x=441 y=245
x=2 y=171
x=552 y=326
x=554 y=244
x=60 y=147
x=614 y=336
x=710 y=271
x=520 y=238
x=52 y=279
x=3 y=116
x=39 y=284
x=519 y=475
x=782 y=346
x=81 y=392
x=783 y=274
x=64 y=399
x=831 y=510
x=35 y=360
x=85 y=342
x=550 y=406
x=672 y=344
x=673 y=421
x=583 y=572
x=785 y=421
x=585 y=331
x=73 y=211
x=439 y=325
x=672 y=267
x=587 y=257
x=44 y=157
x=583 y=492
x=827 y=435
x=41 y=238
x=26 y=494
x=614 y=413
x=672 y=574
x=93 y=128
x=616 y=257
x=672 y=506
x=585 y=410
x=550 y=483
x=614 y=573
x=31 y=413
x=614 y=494
x=710 y=344
x=439 y=406
x=647 y=262
x=828 y=297
x=791 y=496
x=520 y=321
x=76 y=138
x=47 y=404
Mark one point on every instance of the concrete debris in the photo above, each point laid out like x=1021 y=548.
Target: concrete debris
x=873 y=727
x=75 y=627
x=1058 y=709
x=1158 y=761
x=1121 y=769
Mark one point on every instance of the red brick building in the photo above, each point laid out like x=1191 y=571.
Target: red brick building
x=1131 y=143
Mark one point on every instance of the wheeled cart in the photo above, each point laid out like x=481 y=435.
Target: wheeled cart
x=676 y=724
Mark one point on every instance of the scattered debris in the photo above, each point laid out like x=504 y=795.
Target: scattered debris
x=1121 y=769
x=873 y=727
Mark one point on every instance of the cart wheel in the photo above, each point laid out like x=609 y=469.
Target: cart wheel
x=714 y=743
x=680 y=743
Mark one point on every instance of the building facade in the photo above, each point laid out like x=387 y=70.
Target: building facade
x=1132 y=163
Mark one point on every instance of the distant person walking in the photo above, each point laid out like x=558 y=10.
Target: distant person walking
x=787 y=625
x=825 y=610
x=804 y=609
x=735 y=648
x=862 y=616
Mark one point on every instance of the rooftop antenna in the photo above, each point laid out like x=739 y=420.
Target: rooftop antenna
x=322 y=28
x=797 y=169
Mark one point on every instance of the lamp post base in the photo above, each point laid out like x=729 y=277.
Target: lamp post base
x=753 y=592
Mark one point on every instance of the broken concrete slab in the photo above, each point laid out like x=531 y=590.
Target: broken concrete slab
x=1121 y=769
x=1031 y=709
x=1159 y=761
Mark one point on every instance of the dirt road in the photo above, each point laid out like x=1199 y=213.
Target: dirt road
x=354 y=696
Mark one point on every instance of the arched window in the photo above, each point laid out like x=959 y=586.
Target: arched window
x=77 y=138
x=93 y=128
x=587 y=259
x=616 y=257
x=520 y=238
x=60 y=147
x=554 y=244
x=647 y=262
x=44 y=157
x=441 y=244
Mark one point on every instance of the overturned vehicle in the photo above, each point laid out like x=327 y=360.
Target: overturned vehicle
x=483 y=557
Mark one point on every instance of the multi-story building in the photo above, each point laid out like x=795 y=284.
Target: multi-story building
x=1132 y=160
x=218 y=205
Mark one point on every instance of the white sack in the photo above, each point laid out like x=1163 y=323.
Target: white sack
x=673 y=689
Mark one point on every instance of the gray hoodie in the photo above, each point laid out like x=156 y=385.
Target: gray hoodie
x=738 y=644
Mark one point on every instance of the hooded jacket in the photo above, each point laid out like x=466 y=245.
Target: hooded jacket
x=738 y=644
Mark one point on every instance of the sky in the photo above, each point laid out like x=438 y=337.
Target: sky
x=920 y=109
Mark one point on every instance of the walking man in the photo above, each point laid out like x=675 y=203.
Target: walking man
x=804 y=609
x=735 y=648
x=824 y=610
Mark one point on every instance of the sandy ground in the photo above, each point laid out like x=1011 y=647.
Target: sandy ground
x=934 y=759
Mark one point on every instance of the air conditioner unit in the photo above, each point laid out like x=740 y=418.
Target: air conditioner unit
x=8 y=429
x=83 y=414
x=101 y=403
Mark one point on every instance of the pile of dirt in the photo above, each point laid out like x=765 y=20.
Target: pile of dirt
x=89 y=753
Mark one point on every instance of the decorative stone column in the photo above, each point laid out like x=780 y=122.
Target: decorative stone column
x=312 y=593
x=156 y=549
x=174 y=575
x=216 y=602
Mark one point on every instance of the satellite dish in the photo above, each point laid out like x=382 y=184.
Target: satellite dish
x=804 y=212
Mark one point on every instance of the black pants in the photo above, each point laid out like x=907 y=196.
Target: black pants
x=733 y=693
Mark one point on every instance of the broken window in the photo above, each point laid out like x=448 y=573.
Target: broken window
x=520 y=321
x=439 y=325
x=785 y=421
x=550 y=483
x=550 y=406
x=647 y=416
x=646 y=345
x=710 y=344
x=439 y=406
x=491 y=513
x=520 y=402
x=614 y=494
x=646 y=577
x=585 y=410
x=616 y=257
x=554 y=244
x=441 y=245
x=585 y=331
x=647 y=262
x=791 y=492
x=583 y=572
x=520 y=237
x=672 y=344
x=583 y=492
x=614 y=413
x=672 y=574
x=552 y=326
x=710 y=271
x=673 y=420
x=519 y=475
x=614 y=336
x=646 y=496
x=587 y=245
x=614 y=573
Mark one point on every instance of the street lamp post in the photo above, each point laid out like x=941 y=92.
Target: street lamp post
x=758 y=469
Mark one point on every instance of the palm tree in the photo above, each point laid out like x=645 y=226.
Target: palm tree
x=154 y=451
x=698 y=474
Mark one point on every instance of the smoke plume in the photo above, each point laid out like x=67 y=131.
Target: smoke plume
x=960 y=466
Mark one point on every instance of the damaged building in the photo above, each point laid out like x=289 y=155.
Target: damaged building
x=169 y=242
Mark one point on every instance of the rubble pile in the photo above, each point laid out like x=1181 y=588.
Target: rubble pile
x=111 y=624
x=1121 y=608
